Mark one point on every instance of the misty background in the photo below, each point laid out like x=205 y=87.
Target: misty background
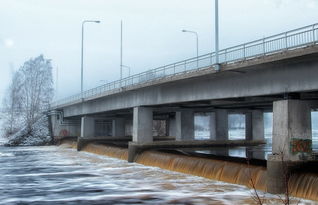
x=152 y=33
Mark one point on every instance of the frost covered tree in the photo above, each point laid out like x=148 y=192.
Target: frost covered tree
x=29 y=95
x=37 y=88
x=11 y=105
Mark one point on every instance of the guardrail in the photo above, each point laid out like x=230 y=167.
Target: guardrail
x=289 y=40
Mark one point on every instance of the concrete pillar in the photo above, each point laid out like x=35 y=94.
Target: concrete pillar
x=184 y=125
x=118 y=127
x=128 y=127
x=142 y=125
x=212 y=126
x=291 y=124
x=172 y=127
x=292 y=143
x=87 y=127
x=254 y=125
x=219 y=125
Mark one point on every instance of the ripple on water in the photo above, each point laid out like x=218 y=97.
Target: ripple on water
x=6 y=154
x=53 y=175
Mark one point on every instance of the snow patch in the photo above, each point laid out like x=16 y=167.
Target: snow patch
x=38 y=135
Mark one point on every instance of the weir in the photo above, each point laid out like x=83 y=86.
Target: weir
x=301 y=184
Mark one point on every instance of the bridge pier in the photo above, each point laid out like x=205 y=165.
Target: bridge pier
x=219 y=125
x=87 y=127
x=142 y=130
x=142 y=124
x=118 y=127
x=184 y=125
x=254 y=125
x=292 y=141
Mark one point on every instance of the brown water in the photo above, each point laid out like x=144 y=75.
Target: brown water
x=230 y=172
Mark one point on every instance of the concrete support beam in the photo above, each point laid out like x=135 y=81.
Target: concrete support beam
x=184 y=125
x=87 y=127
x=291 y=141
x=172 y=127
x=219 y=125
x=254 y=125
x=142 y=125
x=118 y=127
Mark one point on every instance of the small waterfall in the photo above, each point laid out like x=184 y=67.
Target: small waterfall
x=304 y=185
x=69 y=143
x=230 y=172
x=115 y=152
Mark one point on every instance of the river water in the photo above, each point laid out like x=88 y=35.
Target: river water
x=58 y=175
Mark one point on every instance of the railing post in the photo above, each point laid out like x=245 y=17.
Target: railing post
x=313 y=34
x=286 y=42
x=244 y=55
x=185 y=65
x=197 y=62
x=264 y=50
x=174 y=69
x=225 y=56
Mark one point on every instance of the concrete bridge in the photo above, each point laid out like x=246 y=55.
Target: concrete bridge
x=277 y=74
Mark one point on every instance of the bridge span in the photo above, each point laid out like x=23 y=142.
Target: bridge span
x=277 y=74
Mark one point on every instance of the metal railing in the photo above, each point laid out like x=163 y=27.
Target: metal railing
x=289 y=40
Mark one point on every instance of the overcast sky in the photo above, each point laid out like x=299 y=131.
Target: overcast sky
x=152 y=33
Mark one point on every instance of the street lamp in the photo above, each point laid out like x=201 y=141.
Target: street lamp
x=197 y=37
x=217 y=65
x=83 y=23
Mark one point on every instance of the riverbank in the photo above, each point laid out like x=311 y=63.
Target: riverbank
x=302 y=185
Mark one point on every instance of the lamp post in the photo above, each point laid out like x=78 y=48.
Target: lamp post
x=217 y=64
x=197 y=38
x=82 y=51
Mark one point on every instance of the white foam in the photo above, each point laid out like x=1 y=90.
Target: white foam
x=6 y=154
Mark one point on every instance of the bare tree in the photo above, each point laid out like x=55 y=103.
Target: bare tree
x=29 y=94
x=37 y=89
x=12 y=106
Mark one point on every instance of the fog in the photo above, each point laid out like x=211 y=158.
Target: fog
x=152 y=33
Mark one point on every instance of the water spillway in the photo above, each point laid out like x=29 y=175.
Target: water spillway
x=303 y=185
x=111 y=151
x=231 y=172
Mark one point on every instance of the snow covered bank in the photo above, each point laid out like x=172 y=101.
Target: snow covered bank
x=38 y=135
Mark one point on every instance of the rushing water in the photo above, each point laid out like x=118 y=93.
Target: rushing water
x=56 y=175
